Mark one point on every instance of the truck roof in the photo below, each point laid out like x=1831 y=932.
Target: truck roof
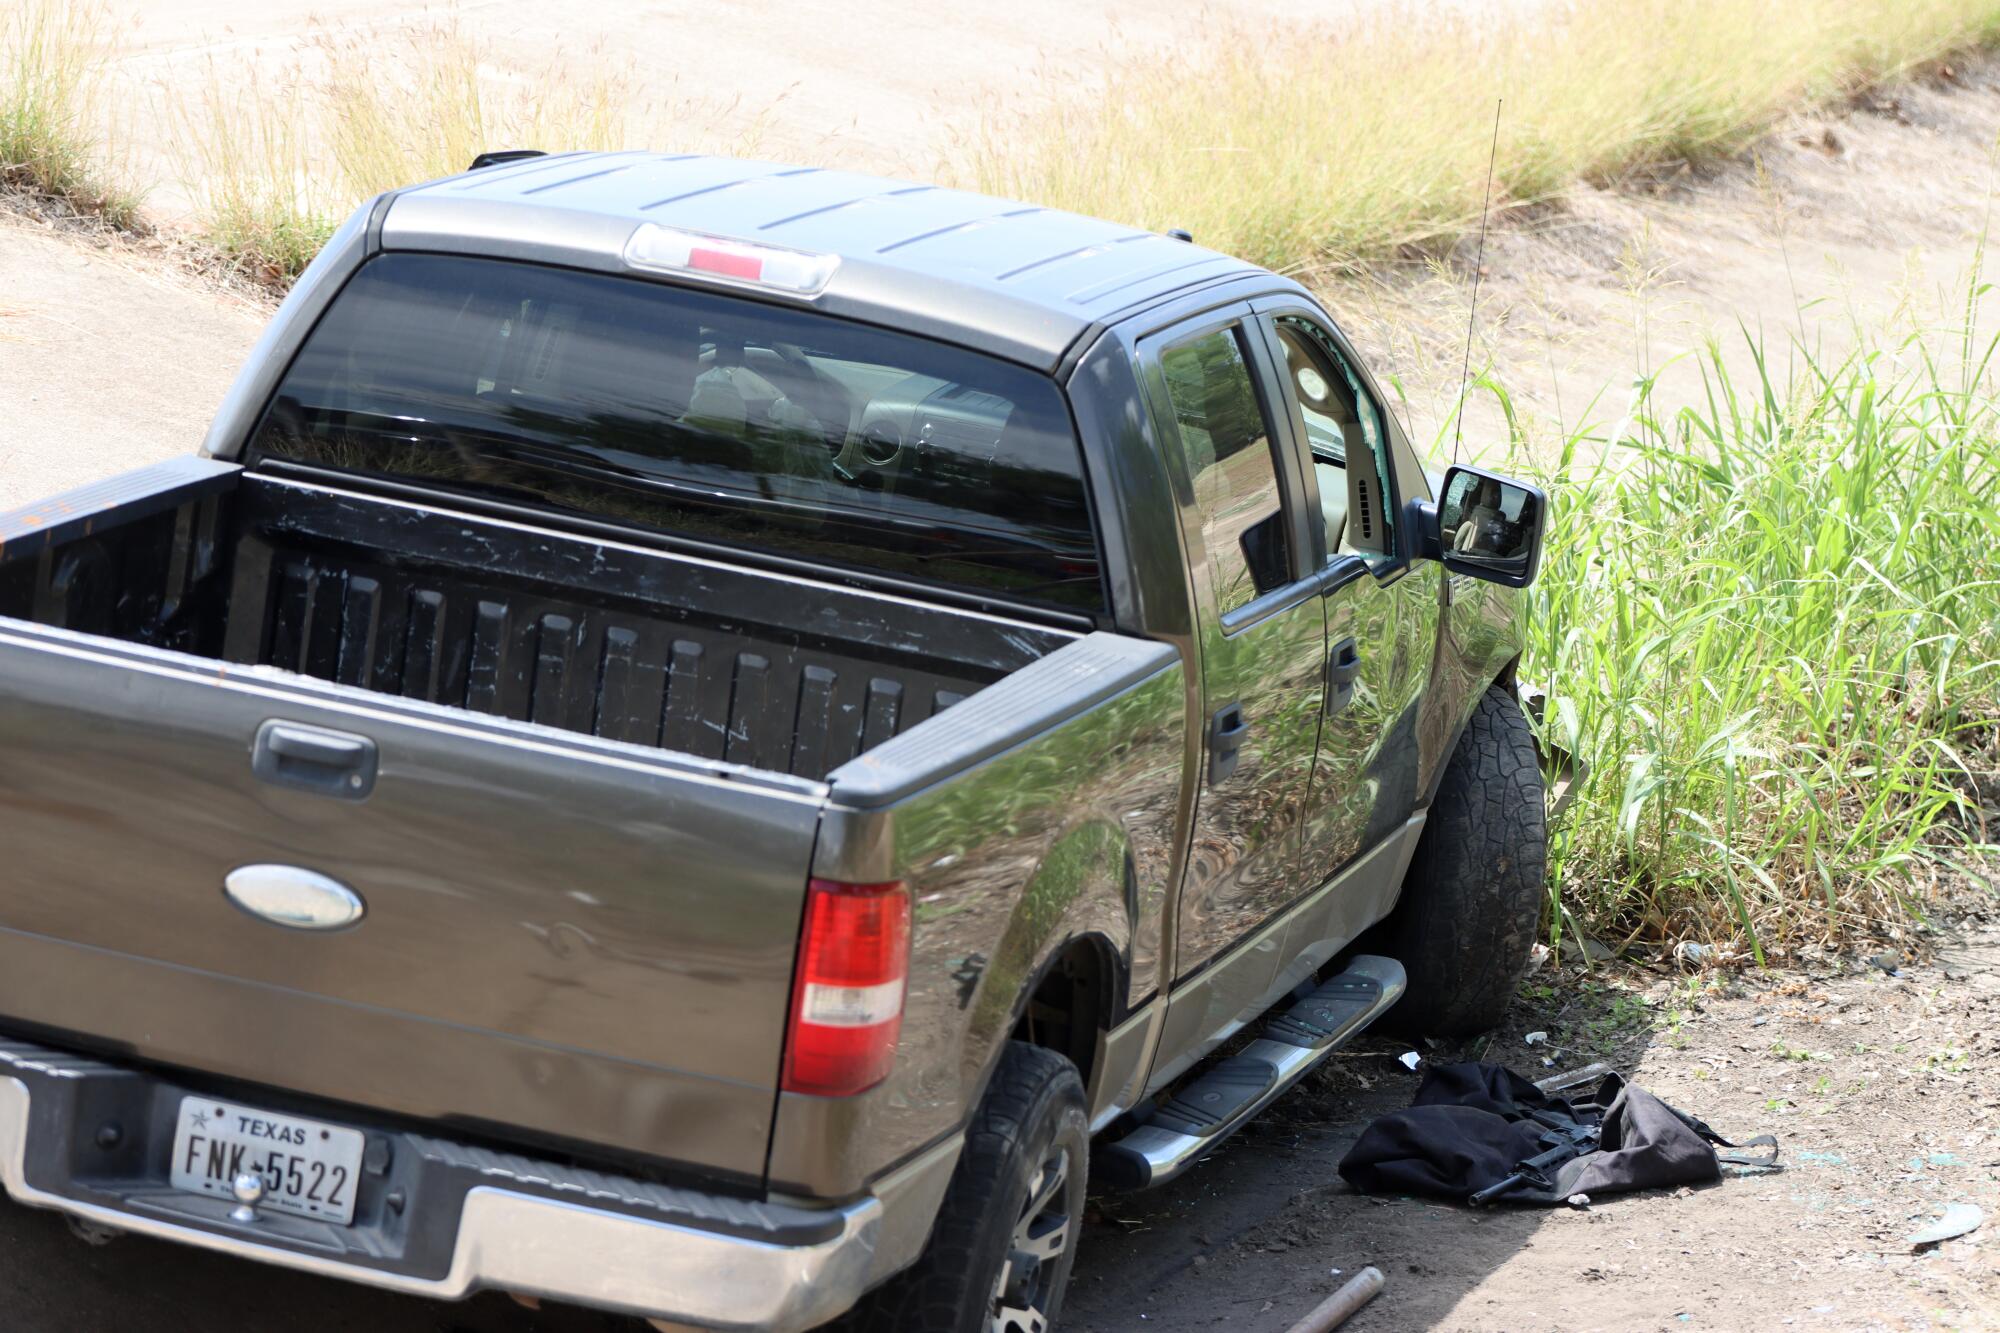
x=999 y=276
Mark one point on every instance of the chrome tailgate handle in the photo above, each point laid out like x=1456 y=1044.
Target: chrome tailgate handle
x=340 y=764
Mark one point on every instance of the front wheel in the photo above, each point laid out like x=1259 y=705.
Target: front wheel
x=1465 y=924
x=1005 y=1240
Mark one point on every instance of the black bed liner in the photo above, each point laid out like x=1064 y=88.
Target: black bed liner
x=511 y=620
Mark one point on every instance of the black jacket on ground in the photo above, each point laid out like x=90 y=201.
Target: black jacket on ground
x=1471 y=1126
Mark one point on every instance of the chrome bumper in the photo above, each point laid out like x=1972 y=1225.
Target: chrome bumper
x=511 y=1235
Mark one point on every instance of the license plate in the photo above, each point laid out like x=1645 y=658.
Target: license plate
x=309 y=1169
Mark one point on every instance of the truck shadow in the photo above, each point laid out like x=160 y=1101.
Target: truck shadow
x=1259 y=1233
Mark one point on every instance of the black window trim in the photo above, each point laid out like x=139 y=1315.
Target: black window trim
x=987 y=602
x=1240 y=315
x=1269 y=311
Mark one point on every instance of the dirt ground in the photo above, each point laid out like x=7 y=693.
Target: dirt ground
x=1865 y=222
x=110 y=358
x=1882 y=1088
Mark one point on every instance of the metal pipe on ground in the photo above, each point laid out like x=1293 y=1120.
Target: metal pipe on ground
x=1587 y=1074
x=1338 y=1308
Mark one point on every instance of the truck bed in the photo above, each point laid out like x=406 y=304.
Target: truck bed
x=593 y=781
x=587 y=634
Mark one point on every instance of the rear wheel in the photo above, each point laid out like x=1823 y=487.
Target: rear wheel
x=1001 y=1252
x=1465 y=924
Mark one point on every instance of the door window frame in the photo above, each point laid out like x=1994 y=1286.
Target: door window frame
x=1335 y=569
x=1297 y=499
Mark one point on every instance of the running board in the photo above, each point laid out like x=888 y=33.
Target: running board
x=1221 y=1099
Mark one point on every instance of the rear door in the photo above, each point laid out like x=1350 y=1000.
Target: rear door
x=586 y=940
x=1262 y=642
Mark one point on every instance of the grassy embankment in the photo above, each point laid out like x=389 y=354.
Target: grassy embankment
x=273 y=168
x=272 y=160
x=1291 y=147
x=1301 y=150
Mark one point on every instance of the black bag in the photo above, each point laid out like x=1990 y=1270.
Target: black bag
x=1474 y=1127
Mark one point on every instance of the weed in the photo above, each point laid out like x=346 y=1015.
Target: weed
x=442 y=110
x=50 y=139
x=241 y=149
x=1771 y=625
x=1293 y=145
x=1947 y=1060
x=274 y=164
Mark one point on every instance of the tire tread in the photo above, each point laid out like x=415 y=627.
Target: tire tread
x=937 y=1292
x=1472 y=898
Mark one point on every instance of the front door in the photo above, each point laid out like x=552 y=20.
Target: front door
x=1381 y=606
x=1262 y=637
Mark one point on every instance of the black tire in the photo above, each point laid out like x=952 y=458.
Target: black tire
x=1032 y=1118
x=1465 y=924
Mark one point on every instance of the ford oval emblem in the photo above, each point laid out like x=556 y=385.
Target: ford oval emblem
x=293 y=897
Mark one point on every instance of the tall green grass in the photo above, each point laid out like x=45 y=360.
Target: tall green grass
x=1771 y=624
x=51 y=140
x=1293 y=144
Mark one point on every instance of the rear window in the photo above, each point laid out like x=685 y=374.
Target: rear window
x=696 y=413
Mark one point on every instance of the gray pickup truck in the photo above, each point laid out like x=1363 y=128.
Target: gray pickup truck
x=713 y=740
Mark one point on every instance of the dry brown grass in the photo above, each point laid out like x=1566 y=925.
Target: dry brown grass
x=1294 y=148
x=51 y=136
x=447 y=103
x=272 y=163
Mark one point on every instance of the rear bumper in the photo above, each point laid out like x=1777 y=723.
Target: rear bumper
x=444 y=1220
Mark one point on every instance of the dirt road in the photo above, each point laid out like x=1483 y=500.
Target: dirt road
x=109 y=359
x=1884 y=1091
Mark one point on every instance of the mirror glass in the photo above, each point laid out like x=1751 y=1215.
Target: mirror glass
x=1489 y=522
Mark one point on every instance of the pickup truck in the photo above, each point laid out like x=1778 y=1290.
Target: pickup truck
x=715 y=741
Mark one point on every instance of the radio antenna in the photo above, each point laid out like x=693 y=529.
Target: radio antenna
x=1478 y=266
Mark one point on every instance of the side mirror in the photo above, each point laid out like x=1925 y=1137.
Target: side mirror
x=1487 y=527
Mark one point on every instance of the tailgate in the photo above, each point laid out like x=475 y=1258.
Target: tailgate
x=586 y=940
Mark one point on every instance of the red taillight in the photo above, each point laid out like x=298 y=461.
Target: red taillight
x=847 y=1001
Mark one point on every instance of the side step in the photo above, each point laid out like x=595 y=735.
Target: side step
x=1187 y=1126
